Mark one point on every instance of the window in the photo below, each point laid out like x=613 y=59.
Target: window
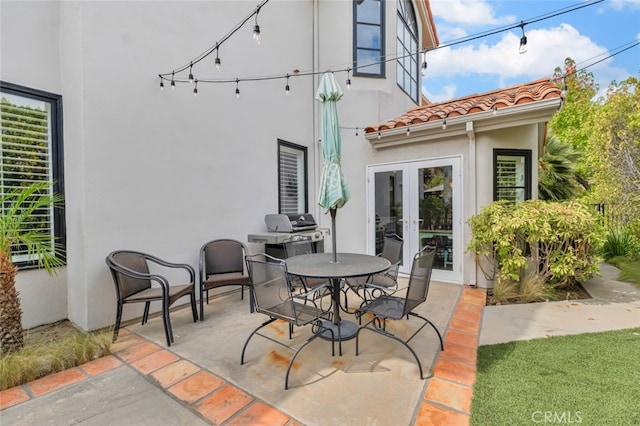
x=512 y=175
x=292 y=178
x=407 y=48
x=368 y=38
x=31 y=151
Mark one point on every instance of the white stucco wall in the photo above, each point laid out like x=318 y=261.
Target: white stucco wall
x=164 y=172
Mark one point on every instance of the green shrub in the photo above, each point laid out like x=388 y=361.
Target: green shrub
x=620 y=242
x=560 y=238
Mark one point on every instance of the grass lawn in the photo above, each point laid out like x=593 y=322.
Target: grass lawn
x=587 y=379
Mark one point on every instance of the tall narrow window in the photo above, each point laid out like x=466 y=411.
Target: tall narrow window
x=407 y=47
x=512 y=175
x=368 y=38
x=31 y=152
x=292 y=178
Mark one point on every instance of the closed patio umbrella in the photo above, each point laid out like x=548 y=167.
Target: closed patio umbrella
x=333 y=189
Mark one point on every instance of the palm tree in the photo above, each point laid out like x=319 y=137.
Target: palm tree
x=19 y=228
x=557 y=179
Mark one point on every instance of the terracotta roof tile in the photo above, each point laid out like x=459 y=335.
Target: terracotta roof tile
x=501 y=98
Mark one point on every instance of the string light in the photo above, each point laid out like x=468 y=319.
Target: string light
x=379 y=134
x=190 y=73
x=161 y=84
x=286 y=88
x=408 y=131
x=173 y=83
x=386 y=59
x=356 y=131
x=217 y=61
x=444 y=123
x=237 y=88
x=256 y=28
x=195 y=89
x=424 y=63
x=523 y=40
x=495 y=110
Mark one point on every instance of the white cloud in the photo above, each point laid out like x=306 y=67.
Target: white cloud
x=446 y=92
x=468 y=12
x=624 y=4
x=547 y=49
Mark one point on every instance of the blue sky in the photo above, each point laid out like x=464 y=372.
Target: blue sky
x=488 y=63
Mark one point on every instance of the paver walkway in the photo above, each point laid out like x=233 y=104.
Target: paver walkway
x=447 y=399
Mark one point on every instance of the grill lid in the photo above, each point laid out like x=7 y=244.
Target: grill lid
x=290 y=222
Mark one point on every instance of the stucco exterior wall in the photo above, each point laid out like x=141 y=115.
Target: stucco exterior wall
x=164 y=172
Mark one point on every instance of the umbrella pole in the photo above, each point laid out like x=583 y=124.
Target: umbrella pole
x=333 y=234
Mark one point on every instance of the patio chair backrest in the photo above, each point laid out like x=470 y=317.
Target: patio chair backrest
x=127 y=285
x=223 y=256
x=419 y=280
x=392 y=249
x=271 y=288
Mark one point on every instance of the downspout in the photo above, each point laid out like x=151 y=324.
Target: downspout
x=473 y=279
x=315 y=137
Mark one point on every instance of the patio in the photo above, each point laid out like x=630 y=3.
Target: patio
x=200 y=376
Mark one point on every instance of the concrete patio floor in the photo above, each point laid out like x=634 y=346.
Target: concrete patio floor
x=199 y=379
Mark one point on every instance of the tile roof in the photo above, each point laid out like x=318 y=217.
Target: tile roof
x=501 y=98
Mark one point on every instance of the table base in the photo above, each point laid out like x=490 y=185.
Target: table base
x=348 y=330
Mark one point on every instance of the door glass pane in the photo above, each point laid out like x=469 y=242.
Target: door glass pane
x=388 y=205
x=435 y=207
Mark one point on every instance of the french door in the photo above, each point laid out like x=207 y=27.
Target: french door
x=419 y=202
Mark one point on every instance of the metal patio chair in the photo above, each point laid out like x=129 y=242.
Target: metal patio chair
x=131 y=276
x=222 y=264
x=384 y=282
x=390 y=307
x=273 y=296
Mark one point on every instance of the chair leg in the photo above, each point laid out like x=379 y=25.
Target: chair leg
x=431 y=324
x=264 y=324
x=194 y=309
x=309 y=340
x=168 y=332
x=116 y=329
x=145 y=315
x=201 y=303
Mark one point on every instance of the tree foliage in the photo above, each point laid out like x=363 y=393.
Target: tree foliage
x=557 y=171
x=614 y=150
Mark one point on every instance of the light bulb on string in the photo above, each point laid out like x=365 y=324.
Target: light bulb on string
x=161 y=84
x=237 y=89
x=173 y=83
x=286 y=88
x=217 y=61
x=523 y=40
x=195 y=89
x=256 y=29
x=408 y=131
x=424 y=63
x=444 y=124
x=356 y=131
x=348 y=79
x=495 y=110
x=190 y=73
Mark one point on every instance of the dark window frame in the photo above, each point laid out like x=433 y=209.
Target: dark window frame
x=527 y=155
x=413 y=74
x=57 y=158
x=304 y=151
x=356 y=71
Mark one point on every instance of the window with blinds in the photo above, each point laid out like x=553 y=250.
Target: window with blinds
x=31 y=153
x=292 y=178
x=512 y=175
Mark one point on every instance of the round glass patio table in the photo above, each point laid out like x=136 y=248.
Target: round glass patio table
x=348 y=265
